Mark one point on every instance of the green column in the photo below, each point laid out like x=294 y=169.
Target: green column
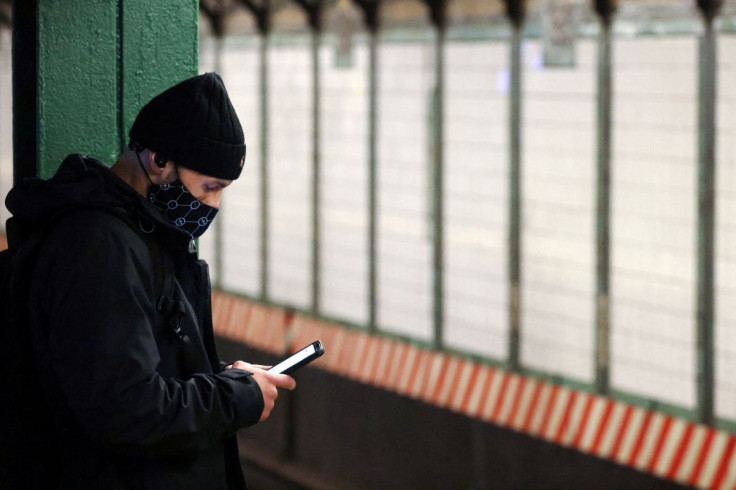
x=77 y=81
x=96 y=64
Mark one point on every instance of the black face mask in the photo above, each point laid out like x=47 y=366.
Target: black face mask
x=182 y=208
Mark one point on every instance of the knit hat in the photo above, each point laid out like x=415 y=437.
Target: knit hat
x=194 y=124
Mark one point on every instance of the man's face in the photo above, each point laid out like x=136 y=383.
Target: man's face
x=204 y=188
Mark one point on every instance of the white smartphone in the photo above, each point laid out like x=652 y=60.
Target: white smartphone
x=302 y=357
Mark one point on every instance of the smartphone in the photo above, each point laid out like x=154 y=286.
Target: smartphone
x=304 y=356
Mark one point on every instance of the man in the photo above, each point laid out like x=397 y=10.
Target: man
x=119 y=304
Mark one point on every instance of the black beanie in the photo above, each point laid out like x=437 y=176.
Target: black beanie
x=194 y=124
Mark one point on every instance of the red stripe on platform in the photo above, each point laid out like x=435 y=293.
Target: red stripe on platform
x=423 y=386
x=583 y=422
x=549 y=411
x=680 y=453
x=723 y=466
x=469 y=388
x=459 y=368
x=640 y=439
x=440 y=379
x=417 y=369
x=621 y=432
x=663 y=431
x=338 y=345
x=566 y=417
x=484 y=394
x=521 y=383
x=360 y=369
x=395 y=376
x=501 y=396
x=369 y=361
x=598 y=438
x=354 y=346
x=526 y=424
x=704 y=450
x=382 y=360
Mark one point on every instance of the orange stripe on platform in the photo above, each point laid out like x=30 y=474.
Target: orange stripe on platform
x=436 y=378
x=607 y=411
x=470 y=387
x=679 y=455
x=567 y=415
x=420 y=373
x=578 y=427
x=525 y=403
x=724 y=463
x=700 y=461
x=397 y=366
x=547 y=417
x=409 y=370
x=484 y=394
x=457 y=389
x=380 y=362
x=498 y=401
x=669 y=447
x=659 y=445
x=515 y=401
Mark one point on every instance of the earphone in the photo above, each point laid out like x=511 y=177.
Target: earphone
x=160 y=159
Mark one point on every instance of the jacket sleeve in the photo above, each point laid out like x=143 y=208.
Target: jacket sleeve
x=96 y=290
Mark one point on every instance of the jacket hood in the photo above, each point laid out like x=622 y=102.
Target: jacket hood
x=82 y=182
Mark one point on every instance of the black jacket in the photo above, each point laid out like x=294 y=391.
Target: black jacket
x=136 y=403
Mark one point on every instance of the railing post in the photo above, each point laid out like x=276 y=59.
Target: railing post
x=313 y=9
x=438 y=15
x=706 y=212
x=515 y=12
x=605 y=10
x=262 y=14
x=371 y=9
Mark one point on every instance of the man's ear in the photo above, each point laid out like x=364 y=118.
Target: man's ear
x=157 y=162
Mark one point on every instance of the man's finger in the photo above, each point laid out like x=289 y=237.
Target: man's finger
x=283 y=381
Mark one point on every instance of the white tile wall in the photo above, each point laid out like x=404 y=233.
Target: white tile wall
x=404 y=258
x=344 y=206
x=653 y=218
x=653 y=203
x=476 y=193
x=725 y=332
x=290 y=174
x=558 y=210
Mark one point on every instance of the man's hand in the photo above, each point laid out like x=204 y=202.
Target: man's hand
x=268 y=382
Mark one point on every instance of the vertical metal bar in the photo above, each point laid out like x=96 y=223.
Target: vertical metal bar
x=706 y=222
x=218 y=224
x=438 y=188
x=263 y=86
x=372 y=184
x=603 y=214
x=315 y=172
x=514 y=266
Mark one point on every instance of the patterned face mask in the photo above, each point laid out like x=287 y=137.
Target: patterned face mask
x=182 y=208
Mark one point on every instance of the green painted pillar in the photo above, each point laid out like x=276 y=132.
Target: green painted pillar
x=88 y=67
